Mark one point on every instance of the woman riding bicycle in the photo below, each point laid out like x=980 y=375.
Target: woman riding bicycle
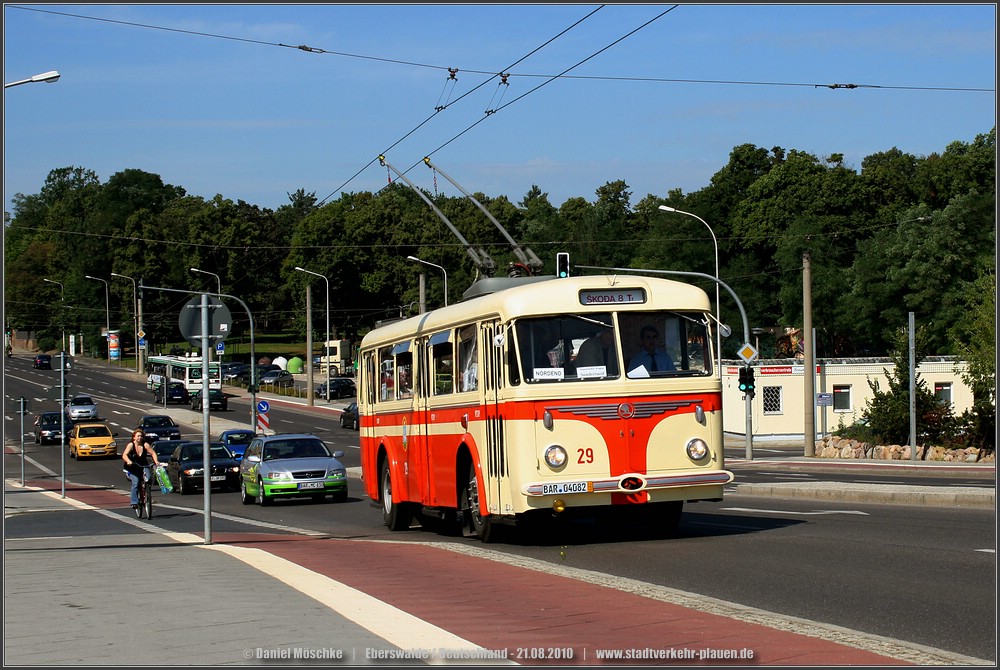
x=137 y=456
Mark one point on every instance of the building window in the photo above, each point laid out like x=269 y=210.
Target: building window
x=842 y=398
x=772 y=399
x=942 y=391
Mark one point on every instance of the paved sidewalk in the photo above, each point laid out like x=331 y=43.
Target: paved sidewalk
x=101 y=588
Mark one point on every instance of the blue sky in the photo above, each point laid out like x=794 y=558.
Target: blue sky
x=654 y=94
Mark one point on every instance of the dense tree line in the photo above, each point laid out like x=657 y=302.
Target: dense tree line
x=905 y=233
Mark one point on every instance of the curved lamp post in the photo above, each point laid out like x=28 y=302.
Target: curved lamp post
x=326 y=343
x=434 y=265
x=718 y=320
x=206 y=272
x=135 y=317
x=107 y=312
x=62 y=304
x=47 y=77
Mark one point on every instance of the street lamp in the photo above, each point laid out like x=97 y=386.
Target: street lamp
x=135 y=317
x=47 y=77
x=326 y=343
x=205 y=272
x=107 y=312
x=718 y=319
x=62 y=303
x=417 y=260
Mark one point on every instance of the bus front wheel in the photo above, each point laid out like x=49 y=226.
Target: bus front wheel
x=394 y=514
x=482 y=526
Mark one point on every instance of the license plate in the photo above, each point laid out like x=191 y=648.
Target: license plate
x=218 y=478
x=311 y=485
x=567 y=487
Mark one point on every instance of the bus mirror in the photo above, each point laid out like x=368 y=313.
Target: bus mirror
x=498 y=340
x=725 y=330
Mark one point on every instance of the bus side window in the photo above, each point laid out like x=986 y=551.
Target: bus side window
x=444 y=368
x=469 y=380
x=386 y=374
x=404 y=375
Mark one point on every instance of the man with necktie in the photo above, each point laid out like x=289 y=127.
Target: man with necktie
x=650 y=357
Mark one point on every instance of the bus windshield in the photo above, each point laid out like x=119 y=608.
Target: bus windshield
x=603 y=345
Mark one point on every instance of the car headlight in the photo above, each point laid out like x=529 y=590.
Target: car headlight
x=191 y=472
x=234 y=468
x=337 y=473
x=282 y=476
x=555 y=456
x=696 y=449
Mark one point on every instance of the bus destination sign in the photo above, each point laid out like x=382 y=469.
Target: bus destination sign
x=627 y=296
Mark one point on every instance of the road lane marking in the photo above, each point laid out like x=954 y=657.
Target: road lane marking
x=781 y=511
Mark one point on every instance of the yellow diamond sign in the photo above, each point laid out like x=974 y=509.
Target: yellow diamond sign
x=747 y=352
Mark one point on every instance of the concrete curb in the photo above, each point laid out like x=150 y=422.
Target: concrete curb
x=874 y=493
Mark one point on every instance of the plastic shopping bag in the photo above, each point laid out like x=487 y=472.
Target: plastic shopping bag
x=162 y=479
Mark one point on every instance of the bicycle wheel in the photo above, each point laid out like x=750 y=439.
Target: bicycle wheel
x=149 y=500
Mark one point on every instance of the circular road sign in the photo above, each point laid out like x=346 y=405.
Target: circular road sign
x=220 y=321
x=263 y=407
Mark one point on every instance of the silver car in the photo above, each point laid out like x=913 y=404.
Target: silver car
x=81 y=408
x=287 y=466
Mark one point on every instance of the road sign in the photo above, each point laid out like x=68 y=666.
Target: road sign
x=747 y=352
x=263 y=422
x=824 y=399
x=219 y=318
x=220 y=348
x=142 y=343
x=141 y=335
x=263 y=406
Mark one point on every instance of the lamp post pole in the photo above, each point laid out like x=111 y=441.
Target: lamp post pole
x=135 y=317
x=326 y=343
x=47 y=77
x=62 y=310
x=718 y=319
x=218 y=281
x=445 y=272
x=107 y=312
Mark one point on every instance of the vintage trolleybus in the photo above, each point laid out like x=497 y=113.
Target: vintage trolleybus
x=541 y=399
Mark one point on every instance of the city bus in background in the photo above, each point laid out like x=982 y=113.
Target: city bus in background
x=185 y=369
x=337 y=354
x=534 y=401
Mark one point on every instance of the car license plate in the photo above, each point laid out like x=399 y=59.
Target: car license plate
x=218 y=478
x=311 y=485
x=567 y=487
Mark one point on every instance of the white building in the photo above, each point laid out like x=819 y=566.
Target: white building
x=842 y=393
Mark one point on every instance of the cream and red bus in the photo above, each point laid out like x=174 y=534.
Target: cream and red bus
x=539 y=400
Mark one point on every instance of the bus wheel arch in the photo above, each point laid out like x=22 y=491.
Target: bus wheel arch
x=474 y=522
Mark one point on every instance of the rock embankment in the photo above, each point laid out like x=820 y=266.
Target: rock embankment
x=840 y=447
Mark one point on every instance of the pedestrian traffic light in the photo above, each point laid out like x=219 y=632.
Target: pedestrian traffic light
x=562 y=265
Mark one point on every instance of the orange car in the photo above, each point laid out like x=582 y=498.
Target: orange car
x=91 y=440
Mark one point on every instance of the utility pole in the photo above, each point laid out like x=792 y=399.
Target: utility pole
x=809 y=431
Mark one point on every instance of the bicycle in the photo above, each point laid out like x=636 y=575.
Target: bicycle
x=145 y=493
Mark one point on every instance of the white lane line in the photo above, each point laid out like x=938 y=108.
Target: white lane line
x=781 y=511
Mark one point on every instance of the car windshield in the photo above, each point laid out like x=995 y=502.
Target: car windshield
x=48 y=419
x=159 y=422
x=95 y=431
x=195 y=451
x=301 y=448
x=81 y=401
x=239 y=438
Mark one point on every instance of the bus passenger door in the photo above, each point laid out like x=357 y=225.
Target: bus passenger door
x=415 y=433
x=493 y=449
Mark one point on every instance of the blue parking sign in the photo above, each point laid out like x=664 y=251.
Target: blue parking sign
x=220 y=347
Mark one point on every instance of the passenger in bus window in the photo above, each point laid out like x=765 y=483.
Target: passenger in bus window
x=651 y=358
x=405 y=382
x=599 y=351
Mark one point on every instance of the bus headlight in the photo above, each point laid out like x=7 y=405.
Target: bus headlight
x=696 y=449
x=555 y=457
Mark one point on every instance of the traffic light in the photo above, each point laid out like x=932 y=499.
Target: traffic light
x=747 y=383
x=562 y=265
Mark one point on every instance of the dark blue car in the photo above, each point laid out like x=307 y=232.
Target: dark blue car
x=236 y=440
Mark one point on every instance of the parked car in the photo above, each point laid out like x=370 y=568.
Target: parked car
x=81 y=408
x=92 y=439
x=176 y=392
x=216 y=400
x=340 y=387
x=159 y=427
x=261 y=371
x=292 y=465
x=350 y=417
x=42 y=362
x=48 y=427
x=233 y=371
x=277 y=378
x=187 y=472
x=236 y=440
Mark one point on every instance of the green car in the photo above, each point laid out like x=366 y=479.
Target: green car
x=291 y=466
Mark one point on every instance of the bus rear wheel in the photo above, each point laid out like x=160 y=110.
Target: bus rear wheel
x=482 y=526
x=394 y=514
